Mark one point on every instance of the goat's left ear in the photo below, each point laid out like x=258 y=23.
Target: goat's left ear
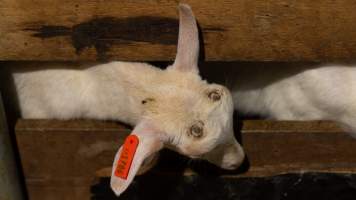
x=188 y=41
x=144 y=141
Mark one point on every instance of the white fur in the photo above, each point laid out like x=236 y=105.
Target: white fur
x=303 y=92
x=172 y=100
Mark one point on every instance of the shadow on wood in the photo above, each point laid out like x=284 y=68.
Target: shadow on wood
x=321 y=186
x=63 y=159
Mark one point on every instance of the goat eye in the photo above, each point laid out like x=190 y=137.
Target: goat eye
x=196 y=130
x=214 y=95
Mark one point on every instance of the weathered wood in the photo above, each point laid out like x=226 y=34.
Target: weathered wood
x=284 y=147
x=60 y=158
x=64 y=159
x=261 y=30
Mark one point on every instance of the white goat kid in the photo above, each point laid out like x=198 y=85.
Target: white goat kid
x=298 y=92
x=171 y=108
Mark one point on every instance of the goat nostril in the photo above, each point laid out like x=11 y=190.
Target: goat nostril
x=231 y=166
x=234 y=166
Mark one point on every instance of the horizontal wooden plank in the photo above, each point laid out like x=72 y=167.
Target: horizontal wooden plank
x=261 y=30
x=272 y=147
x=77 y=153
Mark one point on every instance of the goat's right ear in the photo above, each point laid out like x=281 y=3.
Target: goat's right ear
x=144 y=141
x=188 y=41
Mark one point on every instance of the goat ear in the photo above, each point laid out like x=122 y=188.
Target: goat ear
x=188 y=41
x=144 y=141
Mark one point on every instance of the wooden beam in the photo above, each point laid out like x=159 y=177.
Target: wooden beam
x=260 y=30
x=63 y=159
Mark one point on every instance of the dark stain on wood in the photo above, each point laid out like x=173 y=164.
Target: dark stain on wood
x=51 y=31
x=214 y=29
x=102 y=33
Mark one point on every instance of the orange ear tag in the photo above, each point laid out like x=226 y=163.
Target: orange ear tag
x=126 y=157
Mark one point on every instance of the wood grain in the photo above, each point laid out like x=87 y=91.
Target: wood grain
x=261 y=30
x=64 y=159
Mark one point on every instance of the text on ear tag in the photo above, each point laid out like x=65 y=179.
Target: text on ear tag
x=126 y=156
